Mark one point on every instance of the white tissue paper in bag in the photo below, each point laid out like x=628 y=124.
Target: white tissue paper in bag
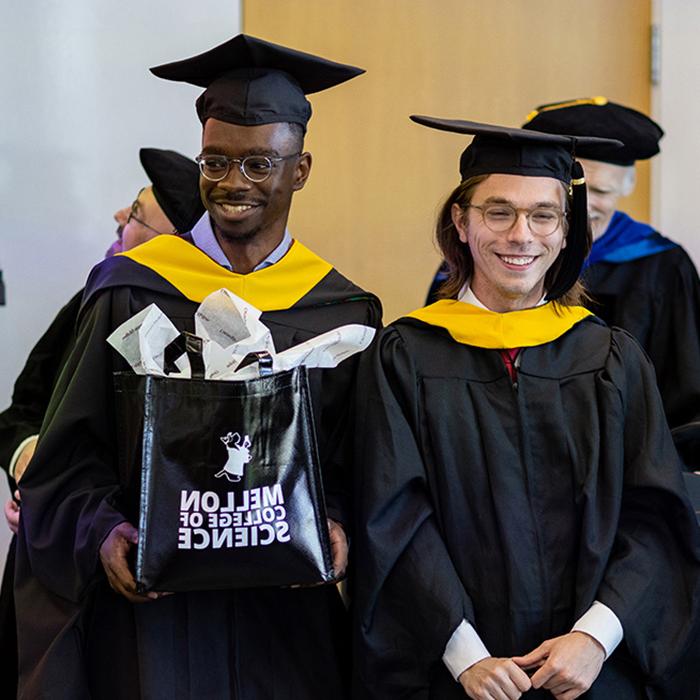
x=230 y=329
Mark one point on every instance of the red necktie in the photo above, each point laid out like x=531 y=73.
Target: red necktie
x=509 y=356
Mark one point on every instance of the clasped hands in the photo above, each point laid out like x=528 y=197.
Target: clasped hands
x=566 y=666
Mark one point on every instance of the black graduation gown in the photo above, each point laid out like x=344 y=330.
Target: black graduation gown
x=90 y=642
x=21 y=420
x=516 y=508
x=657 y=299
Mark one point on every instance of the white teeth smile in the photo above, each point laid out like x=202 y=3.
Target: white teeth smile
x=524 y=260
x=235 y=208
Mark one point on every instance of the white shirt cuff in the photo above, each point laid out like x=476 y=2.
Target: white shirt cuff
x=17 y=453
x=601 y=623
x=463 y=650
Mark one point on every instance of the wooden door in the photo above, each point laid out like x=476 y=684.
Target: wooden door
x=378 y=179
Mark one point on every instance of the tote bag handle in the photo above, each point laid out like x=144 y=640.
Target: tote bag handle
x=185 y=344
x=191 y=345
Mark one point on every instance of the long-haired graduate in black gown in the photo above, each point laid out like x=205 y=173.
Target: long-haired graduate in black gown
x=523 y=527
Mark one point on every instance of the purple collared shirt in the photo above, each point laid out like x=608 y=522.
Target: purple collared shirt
x=204 y=238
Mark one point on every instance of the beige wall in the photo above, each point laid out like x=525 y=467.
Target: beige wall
x=377 y=178
x=677 y=108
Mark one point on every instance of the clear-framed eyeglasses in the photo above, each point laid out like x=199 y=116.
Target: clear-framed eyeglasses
x=499 y=218
x=253 y=168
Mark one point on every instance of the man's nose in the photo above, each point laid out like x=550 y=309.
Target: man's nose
x=593 y=201
x=520 y=231
x=121 y=215
x=236 y=179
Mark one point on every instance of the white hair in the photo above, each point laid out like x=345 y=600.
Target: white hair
x=629 y=180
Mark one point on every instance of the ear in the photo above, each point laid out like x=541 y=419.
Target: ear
x=302 y=170
x=459 y=220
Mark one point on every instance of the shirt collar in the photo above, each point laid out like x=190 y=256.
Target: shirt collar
x=468 y=297
x=204 y=238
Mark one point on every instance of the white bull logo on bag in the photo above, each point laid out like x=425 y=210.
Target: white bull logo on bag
x=238 y=455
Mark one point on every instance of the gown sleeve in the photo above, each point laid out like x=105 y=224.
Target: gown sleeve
x=652 y=579
x=335 y=428
x=71 y=488
x=409 y=598
x=32 y=389
x=674 y=348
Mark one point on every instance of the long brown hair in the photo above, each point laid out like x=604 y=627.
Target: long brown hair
x=459 y=259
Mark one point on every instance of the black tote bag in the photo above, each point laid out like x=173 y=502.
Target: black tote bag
x=230 y=491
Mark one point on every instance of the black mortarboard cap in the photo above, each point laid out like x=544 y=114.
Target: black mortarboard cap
x=512 y=151
x=250 y=81
x=597 y=116
x=175 y=180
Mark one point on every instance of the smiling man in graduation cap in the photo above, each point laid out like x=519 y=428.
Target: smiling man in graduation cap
x=637 y=279
x=78 y=522
x=523 y=528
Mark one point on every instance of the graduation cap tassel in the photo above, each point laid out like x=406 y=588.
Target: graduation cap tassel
x=577 y=240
